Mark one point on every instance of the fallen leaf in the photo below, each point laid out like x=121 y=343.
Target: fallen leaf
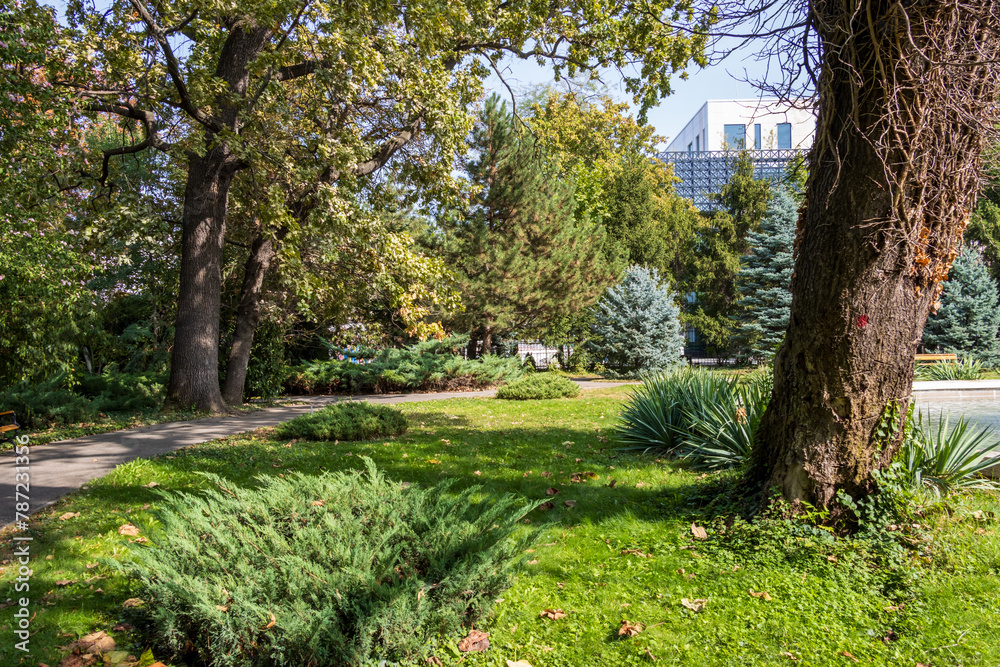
x=526 y=473
x=271 y=623
x=698 y=532
x=65 y=582
x=591 y=475
x=634 y=552
x=95 y=642
x=697 y=606
x=760 y=594
x=476 y=472
x=122 y=627
x=68 y=515
x=152 y=485
x=613 y=483
x=433 y=660
x=222 y=607
x=788 y=655
x=570 y=503
x=546 y=506
x=133 y=602
x=832 y=559
x=533 y=562
x=128 y=529
x=519 y=663
x=551 y=491
x=650 y=655
x=575 y=478
x=546 y=474
x=433 y=461
x=50 y=557
x=569 y=443
x=639 y=485
x=629 y=629
x=475 y=641
x=579 y=460
x=553 y=614
x=318 y=503
x=848 y=655
x=91 y=566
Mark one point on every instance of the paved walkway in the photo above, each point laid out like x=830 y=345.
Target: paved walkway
x=57 y=468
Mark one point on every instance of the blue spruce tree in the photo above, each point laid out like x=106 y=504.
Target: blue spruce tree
x=968 y=319
x=638 y=327
x=765 y=278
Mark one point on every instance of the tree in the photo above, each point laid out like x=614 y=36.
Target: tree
x=906 y=99
x=326 y=93
x=765 y=278
x=520 y=253
x=638 y=326
x=722 y=238
x=967 y=321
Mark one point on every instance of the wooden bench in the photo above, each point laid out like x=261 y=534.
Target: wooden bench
x=927 y=359
x=6 y=428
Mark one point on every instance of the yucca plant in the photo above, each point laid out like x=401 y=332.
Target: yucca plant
x=658 y=416
x=944 y=459
x=722 y=434
x=967 y=369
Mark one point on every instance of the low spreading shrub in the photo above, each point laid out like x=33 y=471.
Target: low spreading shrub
x=58 y=401
x=708 y=418
x=538 y=386
x=345 y=421
x=967 y=369
x=427 y=366
x=943 y=458
x=337 y=569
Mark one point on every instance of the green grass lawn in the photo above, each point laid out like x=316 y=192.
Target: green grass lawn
x=623 y=552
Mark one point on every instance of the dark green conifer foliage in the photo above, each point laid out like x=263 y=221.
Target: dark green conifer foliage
x=521 y=256
x=765 y=279
x=336 y=569
x=722 y=240
x=968 y=319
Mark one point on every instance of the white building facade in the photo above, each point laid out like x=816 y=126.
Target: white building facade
x=757 y=124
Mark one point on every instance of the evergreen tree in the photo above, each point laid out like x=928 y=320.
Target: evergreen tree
x=520 y=253
x=765 y=279
x=715 y=263
x=968 y=319
x=638 y=325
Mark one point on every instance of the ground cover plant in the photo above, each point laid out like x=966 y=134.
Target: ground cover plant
x=353 y=420
x=431 y=365
x=537 y=386
x=967 y=369
x=355 y=566
x=621 y=541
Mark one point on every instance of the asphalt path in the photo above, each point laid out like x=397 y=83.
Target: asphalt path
x=57 y=468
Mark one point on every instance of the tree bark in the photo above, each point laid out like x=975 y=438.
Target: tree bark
x=194 y=369
x=893 y=176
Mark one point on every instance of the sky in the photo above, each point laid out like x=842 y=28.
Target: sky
x=716 y=82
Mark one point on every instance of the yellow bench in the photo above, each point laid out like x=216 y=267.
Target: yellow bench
x=5 y=428
x=927 y=359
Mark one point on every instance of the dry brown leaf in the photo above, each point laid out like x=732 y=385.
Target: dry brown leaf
x=832 y=559
x=318 y=503
x=50 y=557
x=760 y=594
x=698 y=532
x=433 y=660
x=526 y=473
x=222 y=607
x=122 y=627
x=553 y=614
x=475 y=641
x=570 y=503
x=65 y=582
x=629 y=629
x=551 y=491
x=613 y=483
x=520 y=663
x=128 y=529
x=697 y=606
x=786 y=654
x=132 y=602
x=151 y=485
x=639 y=485
x=650 y=655
x=848 y=655
x=68 y=515
x=575 y=478
x=533 y=562
x=634 y=552
x=91 y=566
x=546 y=474
x=475 y=472
x=271 y=622
x=95 y=642
x=546 y=506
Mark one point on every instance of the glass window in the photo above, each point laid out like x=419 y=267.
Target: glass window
x=784 y=135
x=689 y=148
x=736 y=137
x=697 y=144
x=757 y=144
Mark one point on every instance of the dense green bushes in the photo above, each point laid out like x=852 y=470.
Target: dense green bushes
x=56 y=401
x=538 y=386
x=428 y=366
x=967 y=369
x=345 y=421
x=330 y=570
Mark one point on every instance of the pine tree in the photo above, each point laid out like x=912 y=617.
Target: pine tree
x=521 y=256
x=968 y=319
x=765 y=279
x=638 y=325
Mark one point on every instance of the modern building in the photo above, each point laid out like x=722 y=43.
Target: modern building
x=774 y=132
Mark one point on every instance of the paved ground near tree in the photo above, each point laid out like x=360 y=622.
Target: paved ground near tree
x=57 y=468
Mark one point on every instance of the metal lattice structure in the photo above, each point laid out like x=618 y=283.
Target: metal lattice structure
x=705 y=172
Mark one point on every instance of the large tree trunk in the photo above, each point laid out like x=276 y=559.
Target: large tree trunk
x=262 y=251
x=893 y=176
x=194 y=368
